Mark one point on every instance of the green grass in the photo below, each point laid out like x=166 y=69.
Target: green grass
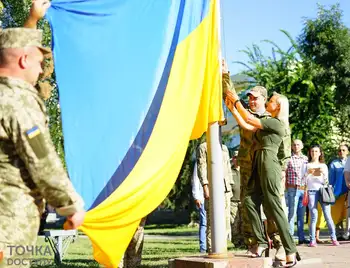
x=171 y=230
x=181 y=241
x=156 y=252
x=79 y=254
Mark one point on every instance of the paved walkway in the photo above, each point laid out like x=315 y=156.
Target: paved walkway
x=324 y=255
x=331 y=256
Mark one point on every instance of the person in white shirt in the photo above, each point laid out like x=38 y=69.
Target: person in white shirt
x=198 y=196
x=316 y=176
x=347 y=182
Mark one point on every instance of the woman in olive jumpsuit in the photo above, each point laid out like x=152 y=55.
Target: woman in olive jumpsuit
x=264 y=184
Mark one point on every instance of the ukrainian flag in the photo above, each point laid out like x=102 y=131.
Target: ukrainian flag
x=137 y=80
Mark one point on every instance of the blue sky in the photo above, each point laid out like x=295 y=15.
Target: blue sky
x=250 y=21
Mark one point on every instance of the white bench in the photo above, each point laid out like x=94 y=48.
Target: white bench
x=59 y=241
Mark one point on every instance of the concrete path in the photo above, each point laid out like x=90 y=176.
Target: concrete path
x=324 y=255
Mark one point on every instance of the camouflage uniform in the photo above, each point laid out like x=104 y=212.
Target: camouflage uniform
x=30 y=169
x=201 y=156
x=245 y=160
x=133 y=254
x=236 y=210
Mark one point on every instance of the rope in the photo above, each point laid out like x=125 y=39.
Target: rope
x=223 y=28
x=223 y=45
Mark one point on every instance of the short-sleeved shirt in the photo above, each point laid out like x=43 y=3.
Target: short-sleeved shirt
x=271 y=135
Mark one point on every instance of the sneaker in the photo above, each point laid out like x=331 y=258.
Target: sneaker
x=335 y=243
x=313 y=244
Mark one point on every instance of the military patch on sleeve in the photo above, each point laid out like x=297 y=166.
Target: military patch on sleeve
x=37 y=142
x=35 y=131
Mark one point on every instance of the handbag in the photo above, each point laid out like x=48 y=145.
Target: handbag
x=327 y=195
x=305 y=199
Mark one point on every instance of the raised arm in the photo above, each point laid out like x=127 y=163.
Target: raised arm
x=36 y=13
x=232 y=101
x=244 y=118
x=239 y=118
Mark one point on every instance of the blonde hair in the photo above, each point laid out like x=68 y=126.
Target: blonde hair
x=283 y=113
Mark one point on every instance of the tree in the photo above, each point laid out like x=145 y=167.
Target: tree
x=326 y=42
x=292 y=74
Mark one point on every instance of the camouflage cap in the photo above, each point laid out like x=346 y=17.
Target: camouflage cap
x=257 y=91
x=21 y=38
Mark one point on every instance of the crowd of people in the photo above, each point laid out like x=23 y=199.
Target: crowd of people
x=277 y=183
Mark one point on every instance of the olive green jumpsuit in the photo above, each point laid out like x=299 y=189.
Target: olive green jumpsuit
x=265 y=182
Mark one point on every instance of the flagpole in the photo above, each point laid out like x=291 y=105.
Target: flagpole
x=216 y=181
x=216 y=191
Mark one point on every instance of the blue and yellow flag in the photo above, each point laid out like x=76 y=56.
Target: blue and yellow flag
x=137 y=80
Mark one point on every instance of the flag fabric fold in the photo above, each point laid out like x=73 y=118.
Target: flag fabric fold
x=137 y=80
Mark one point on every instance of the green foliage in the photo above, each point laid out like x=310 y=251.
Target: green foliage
x=55 y=124
x=180 y=196
x=315 y=75
x=326 y=42
x=292 y=74
x=15 y=12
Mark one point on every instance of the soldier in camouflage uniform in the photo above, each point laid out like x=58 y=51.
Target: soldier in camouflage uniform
x=201 y=156
x=236 y=207
x=30 y=169
x=133 y=254
x=257 y=95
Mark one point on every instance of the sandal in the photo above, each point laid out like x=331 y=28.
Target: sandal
x=260 y=252
x=294 y=261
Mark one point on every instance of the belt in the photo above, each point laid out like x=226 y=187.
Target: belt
x=296 y=186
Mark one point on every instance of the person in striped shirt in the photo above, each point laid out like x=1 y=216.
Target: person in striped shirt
x=295 y=186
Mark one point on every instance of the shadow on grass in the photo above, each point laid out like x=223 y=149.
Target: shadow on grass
x=163 y=226
x=172 y=242
x=153 y=266
x=174 y=234
x=76 y=263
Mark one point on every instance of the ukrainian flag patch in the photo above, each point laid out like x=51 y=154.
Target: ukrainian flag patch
x=31 y=133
